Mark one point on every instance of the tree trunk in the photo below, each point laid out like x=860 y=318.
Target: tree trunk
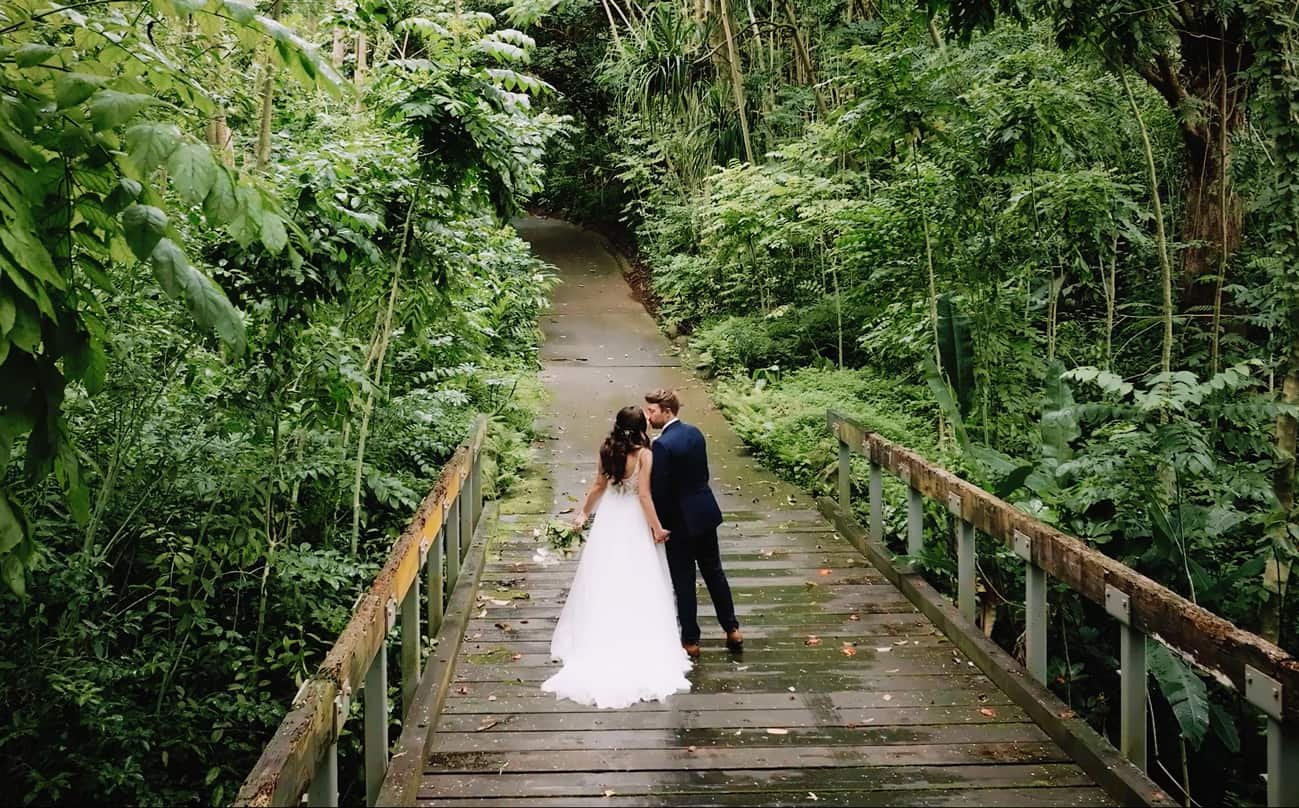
x=1211 y=231
x=268 y=104
x=737 y=81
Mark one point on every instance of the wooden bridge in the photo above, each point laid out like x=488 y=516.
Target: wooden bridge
x=859 y=684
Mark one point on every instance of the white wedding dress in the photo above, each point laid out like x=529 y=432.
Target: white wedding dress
x=617 y=635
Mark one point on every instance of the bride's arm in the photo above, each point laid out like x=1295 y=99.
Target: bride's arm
x=646 y=500
x=593 y=495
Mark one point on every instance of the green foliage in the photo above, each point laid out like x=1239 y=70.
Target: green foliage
x=176 y=500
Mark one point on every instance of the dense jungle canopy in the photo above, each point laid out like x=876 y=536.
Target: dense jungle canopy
x=257 y=277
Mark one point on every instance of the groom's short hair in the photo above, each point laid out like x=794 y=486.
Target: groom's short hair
x=667 y=399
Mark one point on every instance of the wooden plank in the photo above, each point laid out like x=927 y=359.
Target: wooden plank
x=1210 y=641
x=737 y=739
x=773 y=678
x=511 y=720
x=759 y=758
x=1010 y=797
x=705 y=784
x=518 y=698
x=401 y=782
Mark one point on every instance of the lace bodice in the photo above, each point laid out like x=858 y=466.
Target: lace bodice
x=628 y=485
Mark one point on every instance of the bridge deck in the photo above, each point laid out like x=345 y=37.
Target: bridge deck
x=844 y=695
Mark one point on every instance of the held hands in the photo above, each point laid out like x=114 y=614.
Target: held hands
x=661 y=535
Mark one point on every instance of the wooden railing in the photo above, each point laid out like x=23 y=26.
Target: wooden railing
x=1266 y=675
x=302 y=756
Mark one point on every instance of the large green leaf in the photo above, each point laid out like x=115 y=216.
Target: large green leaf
x=110 y=109
x=946 y=403
x=274 y=235
x=1059 y=420
x=150 y=144
x=71 y=89
x=7 y=314
x=246 y=224
x=209 y=306
x=220 y=204
x=193 y=172
x=956 y=352
x=1183 y=689
x=144 y=226
x=11 y=525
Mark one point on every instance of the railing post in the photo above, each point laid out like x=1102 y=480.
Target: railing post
x=877 y=502
x=1132 y=678
x=410 y=640
x=436 y=598
x=1035 y=609
x=845 y=479
x=322 y=791
x=466 y=517
x=915 y=515
x=1264 y=692
x=376 y=716
x=453 y=544
x=966 y=596
x=477 y=487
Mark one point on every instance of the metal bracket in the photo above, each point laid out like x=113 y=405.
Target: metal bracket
x=446 y=507
x=390 y=609
x=423 y=551
x=1023 y=546
x=342 y=703
x=1118 y=605
x=904 y=471
x=1263 y=692
x=954 y=502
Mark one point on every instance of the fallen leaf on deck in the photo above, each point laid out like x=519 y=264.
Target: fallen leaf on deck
x=887 y=697
x=811 y=795
x=488 y=724
x=809 y=584
x=496 y=602
x=691 y=749
x=464 y=691
x=791 y=690
x=884 y=649
x=491 y=698
x=502 y=626
x=483 y=613
x=777 y=731
x=608 y=792
x=853 y=618
x=988 y=711
x=848 y=650
x=1067 y=714
x=824 y=571
x=517 y=657
x=812 y=639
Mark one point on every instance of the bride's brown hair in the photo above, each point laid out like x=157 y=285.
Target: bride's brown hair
x=630 y=432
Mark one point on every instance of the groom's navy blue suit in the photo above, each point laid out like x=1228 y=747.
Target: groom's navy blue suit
x=689 y=511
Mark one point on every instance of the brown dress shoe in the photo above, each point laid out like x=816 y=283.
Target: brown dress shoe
x=735 y=640
x=692 y=649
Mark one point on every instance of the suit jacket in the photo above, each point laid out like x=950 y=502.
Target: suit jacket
x=679 y=481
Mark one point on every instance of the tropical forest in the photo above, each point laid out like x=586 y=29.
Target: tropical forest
x=261 y=272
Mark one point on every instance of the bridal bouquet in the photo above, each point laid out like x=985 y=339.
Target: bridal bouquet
x=563 y=537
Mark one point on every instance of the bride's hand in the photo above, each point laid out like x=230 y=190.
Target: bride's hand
x=579 y=521
x=661 y=535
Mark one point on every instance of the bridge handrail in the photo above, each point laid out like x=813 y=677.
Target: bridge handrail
x=1264 y=673
x=302 y=755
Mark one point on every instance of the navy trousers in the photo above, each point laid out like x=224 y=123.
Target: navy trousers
x=684 y=554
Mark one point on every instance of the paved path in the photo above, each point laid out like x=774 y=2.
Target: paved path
x=845 y=695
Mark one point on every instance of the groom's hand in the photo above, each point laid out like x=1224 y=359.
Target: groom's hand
x=661 y=535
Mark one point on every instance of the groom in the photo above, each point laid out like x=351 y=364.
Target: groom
x=690 y=514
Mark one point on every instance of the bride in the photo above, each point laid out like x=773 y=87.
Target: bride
x=617 y=635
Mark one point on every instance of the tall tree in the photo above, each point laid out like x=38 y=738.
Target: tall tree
x=1197 y=56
